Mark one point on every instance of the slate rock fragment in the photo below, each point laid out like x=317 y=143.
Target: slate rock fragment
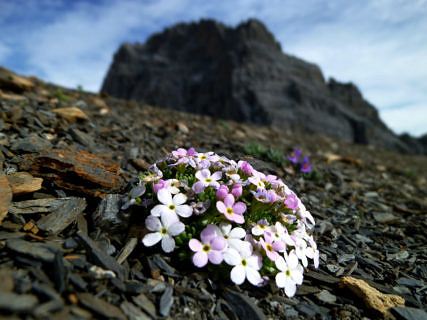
x=81 y=171
x=13 y=302
x=64 y=213
x=100 y=307
x=133 y=312
x=23 y=182
x=99 y=257
x=166 y=302
x=35 y=250
x=108 y=216
x=405 y=313
x=243 y=306
x=143 y=302
x=33 y=143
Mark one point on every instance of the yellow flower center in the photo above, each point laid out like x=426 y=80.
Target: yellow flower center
x=203 y=157
x=208 y=180
x=206 y=248
x=164 y=231
x=244 y=262
x=288 y=273
x=269 y=247
x=172 y=207
x=229 y=211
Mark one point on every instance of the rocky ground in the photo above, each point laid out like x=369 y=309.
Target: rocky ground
x=66 y=158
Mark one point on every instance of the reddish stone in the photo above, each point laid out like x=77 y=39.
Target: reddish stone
x=81 y=171
x=5 y=197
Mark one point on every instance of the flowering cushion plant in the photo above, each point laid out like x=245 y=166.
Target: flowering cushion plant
x=228 y=215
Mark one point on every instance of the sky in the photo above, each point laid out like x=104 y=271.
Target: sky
x=379 y=45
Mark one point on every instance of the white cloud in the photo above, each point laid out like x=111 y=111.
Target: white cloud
x=411 y=118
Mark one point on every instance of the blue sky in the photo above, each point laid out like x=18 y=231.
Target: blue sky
x=380 y=45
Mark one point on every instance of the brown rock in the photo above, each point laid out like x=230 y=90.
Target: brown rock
x=5 y=197
x=93 y=174
x=72 y=114
x=372 y=297
x=23 y=182
x=13 y=82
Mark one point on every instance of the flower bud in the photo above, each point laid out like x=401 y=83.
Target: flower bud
x=222 y=192
x=237 y=190
x=246 y=167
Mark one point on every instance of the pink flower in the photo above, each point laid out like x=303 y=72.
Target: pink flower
x=271 y=247
x=232 y=211
x=291 y=201
x=184 y=156
x=210 y=248
x=237 y=190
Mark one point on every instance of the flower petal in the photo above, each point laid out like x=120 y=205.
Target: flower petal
x=254 y=262
x=195 y=245
x=158 y=209
x=280 y=279
x=198 y=187
x=151 y=239
x=210 y=232
x=176 y=228
x=216 y=175
x=237 y=233
x=290 y=287
x=232 y=257
x=238 y=274
x=239 y=207
x=225 y=228
x=237 y=218
x=152 y=223
x=179 y=199
x=215 y=257
x=297 y=276
x=164 y=196
x=184 y=211
x=218 y=243
x=168 y=218
x=229 y=201
x=253 y=276
x=200 y=259
x=281 y=264
x=168 y=243
x=220 y=206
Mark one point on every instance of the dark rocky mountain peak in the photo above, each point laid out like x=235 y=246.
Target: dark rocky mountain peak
x=242 y=74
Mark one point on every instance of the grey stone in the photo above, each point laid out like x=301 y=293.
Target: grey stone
x=133 y=312
x=326 y=296
x=146 y=304
x=243 y=306
x=405 y=313
x=38 y=251
x=166 y=302
x=101 y=307
x=13 y=302
x=32 y=143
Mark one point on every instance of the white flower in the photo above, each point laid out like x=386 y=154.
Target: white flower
x=246 y=265
x=280 y=233
x=290 y=275
x=206 y=179
x=301 y=250
x=233 y=236
x=171 y=206
x=260 y=228
x=312 y=252
x=163 y=230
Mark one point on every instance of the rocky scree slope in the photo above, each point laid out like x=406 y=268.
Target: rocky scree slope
x=68 y=252
x=242 y=74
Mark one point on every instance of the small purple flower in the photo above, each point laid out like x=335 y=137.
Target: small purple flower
x=237 y=190
x=265 y=196
x=183 y=156
x=271 y=247
x=206 y=179
x=210 y=248
x=222 y=192
x=159 y=185
x=232 y=211
x=291 y=201
x=295 y=155
x=305 y=166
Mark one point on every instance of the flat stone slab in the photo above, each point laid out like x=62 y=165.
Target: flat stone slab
x=77 y=170
x=23 y=182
